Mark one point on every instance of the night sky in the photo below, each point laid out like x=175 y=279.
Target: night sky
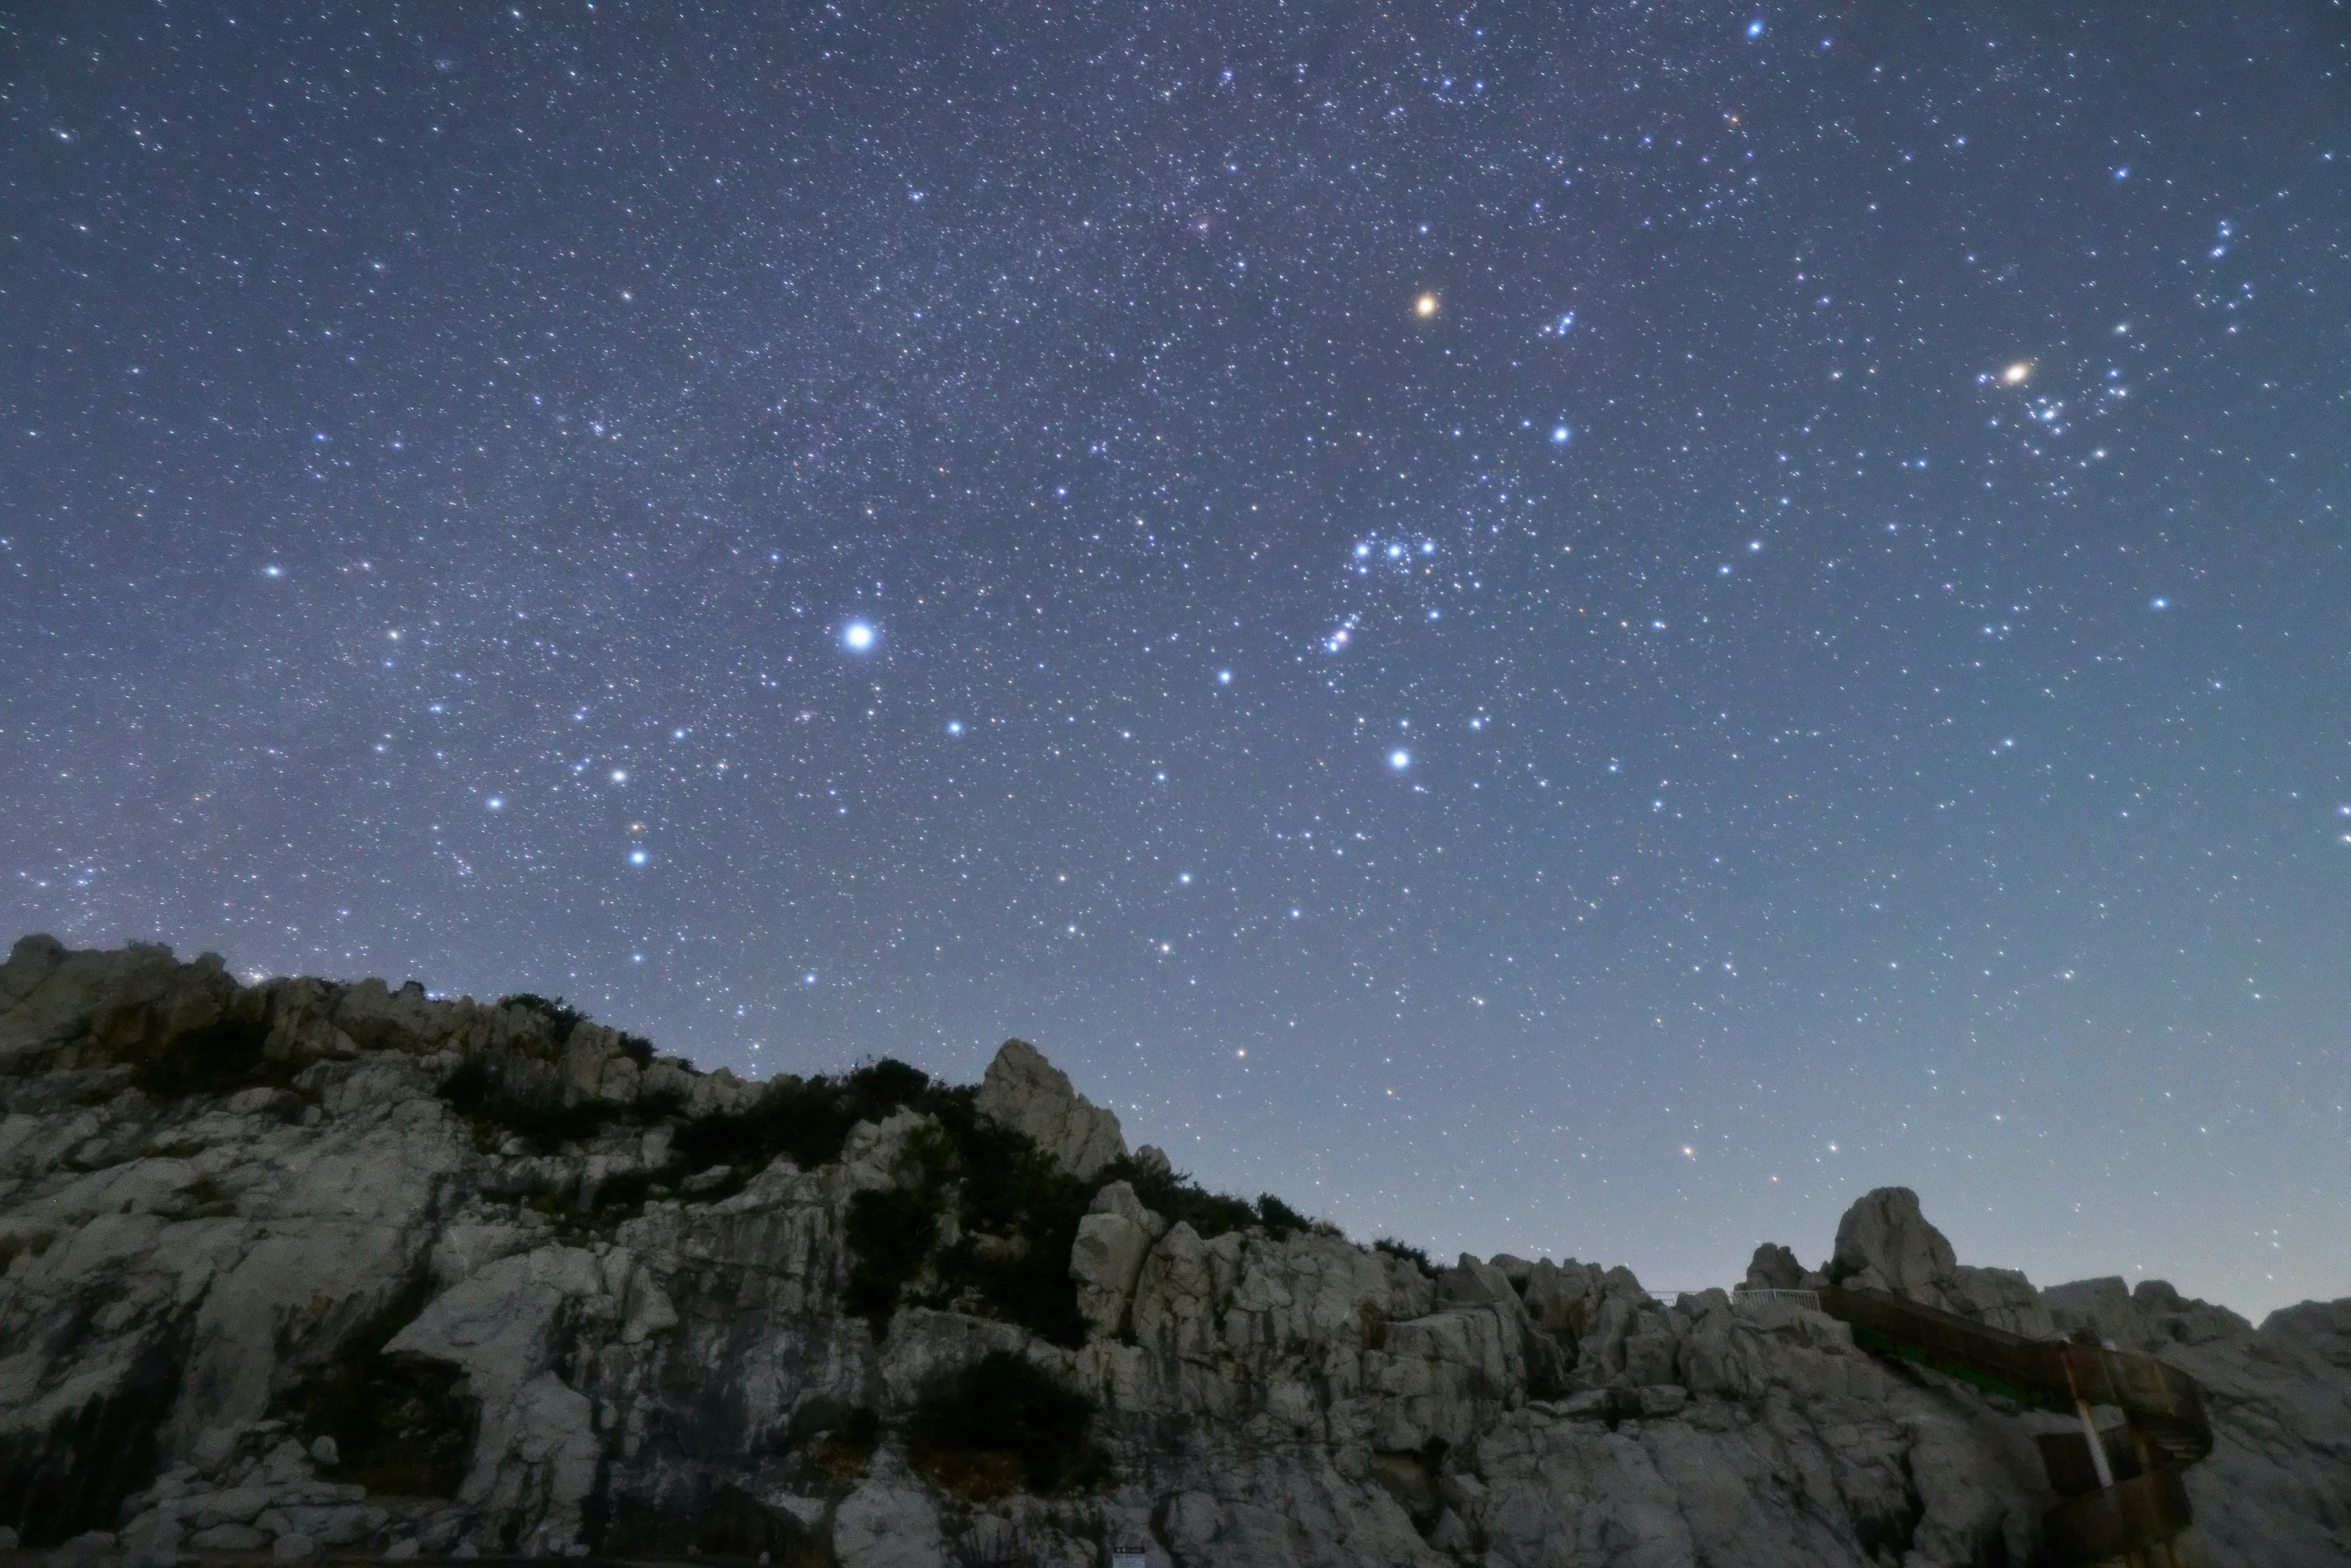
x=1572 y=630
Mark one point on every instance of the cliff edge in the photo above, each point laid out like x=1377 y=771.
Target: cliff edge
x=307 y=1269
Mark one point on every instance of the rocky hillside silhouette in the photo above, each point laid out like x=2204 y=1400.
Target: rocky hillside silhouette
x=307 y=1269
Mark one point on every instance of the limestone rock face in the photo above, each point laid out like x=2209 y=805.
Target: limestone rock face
x=1774 y=1267
x=1885 y=1243
x=1027 y=1094
x=582 y=1307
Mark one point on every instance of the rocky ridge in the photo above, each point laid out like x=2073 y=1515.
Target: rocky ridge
x=305 y=1267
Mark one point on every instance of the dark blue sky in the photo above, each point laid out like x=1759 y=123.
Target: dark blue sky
x=1568 y=629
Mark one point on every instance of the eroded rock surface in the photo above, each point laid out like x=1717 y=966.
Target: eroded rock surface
x=310 y=1269
x=1029 y=1095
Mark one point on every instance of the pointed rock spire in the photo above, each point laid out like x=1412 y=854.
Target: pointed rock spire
x=1027 y=1094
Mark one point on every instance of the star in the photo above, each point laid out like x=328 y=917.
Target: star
x=1425 y=306
x=857 y=637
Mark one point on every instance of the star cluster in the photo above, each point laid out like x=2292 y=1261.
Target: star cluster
x=1569 y=629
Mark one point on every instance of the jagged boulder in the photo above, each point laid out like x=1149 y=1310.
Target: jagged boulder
x=1113 y=1241
x=1027 y=1094
x=1774 y=1267
x=1885 y=1243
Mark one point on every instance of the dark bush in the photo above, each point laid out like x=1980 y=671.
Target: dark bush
x=1017 y=1208
x=1019 y=1211
x=1004 y=1405
x=1280 y=1220
x=806 y=1118
x=471 y=1087
x=537 y=1113
x=218 y=1058
x=637 y=1048
x=626 y=1189
x=400 y=1426
x=888 y=1084
x=891 y=1233
x=861 y=1428
x=729 y=1524
x=1175 y=1195
x=1412 y=1255
x=560 y=1017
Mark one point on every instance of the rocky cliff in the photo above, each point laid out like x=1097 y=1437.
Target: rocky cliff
x=308 y=1268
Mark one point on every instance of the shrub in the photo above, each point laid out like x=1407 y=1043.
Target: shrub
x=625 y=1190
x=891 y=1233
x=1019 y=1212
x=536 y=1110
x=559 y=1017
x=400 y=1425
x=1004 y=1405
x=1280 y=1220
x=838 y=1440
x=1175 y=1195
x=806 y=1118
x=217 y=1057
x=1412 y=1255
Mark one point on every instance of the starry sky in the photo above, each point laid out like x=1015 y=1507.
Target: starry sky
x=1571 y=629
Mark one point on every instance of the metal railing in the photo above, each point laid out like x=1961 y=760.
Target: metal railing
x=1741 y=1296
x=2107 y=1513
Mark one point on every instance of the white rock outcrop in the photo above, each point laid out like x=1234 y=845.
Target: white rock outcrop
x=1026 y=1093
x=316 y=1269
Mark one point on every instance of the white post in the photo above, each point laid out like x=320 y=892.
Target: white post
x=2097 y=1445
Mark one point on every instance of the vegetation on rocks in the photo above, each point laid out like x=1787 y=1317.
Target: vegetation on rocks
x=1173 y=1194
x=1002 y=1425
x=400 y=1425
x=532 y=1107
x=1412 y=1255
x=693 y=1382
x=806 y=1119
x=559 y=1017
x=218 y=1058
x=562 y=1021
x=891 y=1233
